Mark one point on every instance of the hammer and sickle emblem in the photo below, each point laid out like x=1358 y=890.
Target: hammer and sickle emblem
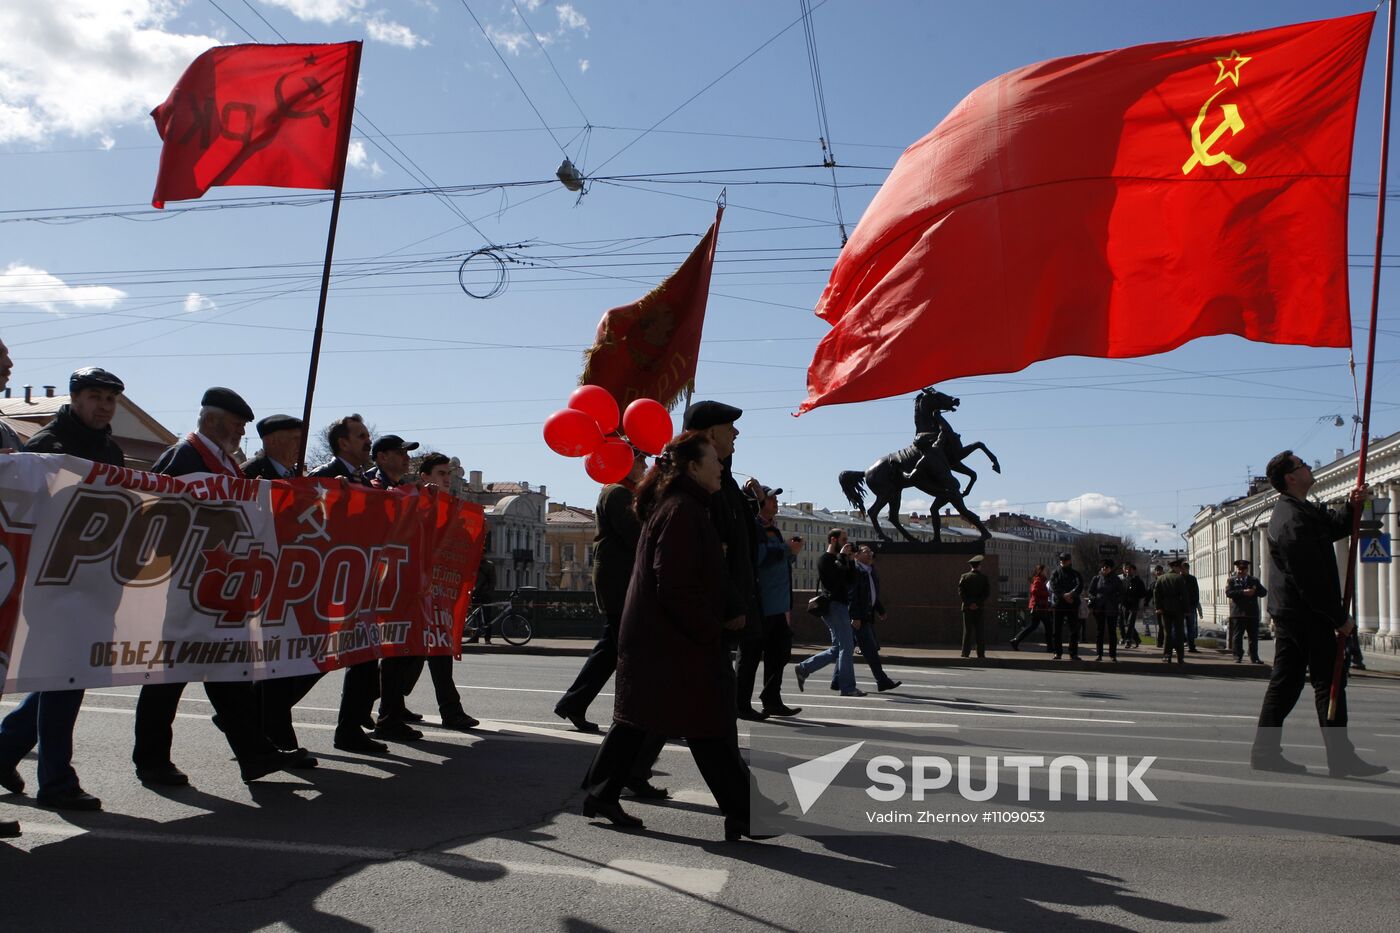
x=1200 y=149
x=314 y=91
x=315 y=519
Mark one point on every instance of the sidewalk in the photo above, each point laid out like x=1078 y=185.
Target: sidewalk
x=1209 y=662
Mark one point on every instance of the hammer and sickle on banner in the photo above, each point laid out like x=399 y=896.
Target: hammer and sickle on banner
x=316 y=520
x=314 y=91
x=1200 y=149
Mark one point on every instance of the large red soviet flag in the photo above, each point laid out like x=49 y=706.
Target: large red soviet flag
x=1113 y=205
x=276 y=115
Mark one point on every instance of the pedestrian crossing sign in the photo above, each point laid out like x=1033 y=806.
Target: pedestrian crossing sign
x=1375 y=550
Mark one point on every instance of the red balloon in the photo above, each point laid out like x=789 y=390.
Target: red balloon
x=572 y=433
x=611 y=462
x=648 y=425
x=598 y=403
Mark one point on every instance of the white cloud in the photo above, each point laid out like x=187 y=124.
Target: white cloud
x=377 y=27
x=1091 y=506
x=195 y=302
x=382 y=30
x=357 y=157
x=86 y=66
x=510 y=40
x=569 y=18
x=583 y=66
x=992 y=506
x=533 y=5
x=25 y=285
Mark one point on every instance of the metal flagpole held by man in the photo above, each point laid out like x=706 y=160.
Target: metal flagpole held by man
x=1349 y=593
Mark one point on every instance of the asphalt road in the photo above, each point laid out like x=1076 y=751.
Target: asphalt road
x=483 y=831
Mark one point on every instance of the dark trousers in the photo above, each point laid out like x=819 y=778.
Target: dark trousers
x=275 y=699
x=1304 y=651
x=1240 y=626
x=235 y=713
x=774 y=649
x=718 y=759
x=45 y=719
x=1128 y=623
x=1171 y=632
x=1106 y=622
x=396 y=679
x=972 y=632
x=597 y=668
x=1067 y=625
x=357 y=697
x=444 y=687
x=1038 y=617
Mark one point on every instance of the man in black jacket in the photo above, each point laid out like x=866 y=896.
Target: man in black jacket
x=1065 y=590
x=1105 y=599
x=1306 y=606
x=866 y=609
x=223 y=416
x=1134 y=593
x=1194 y=612
x=281 y=439
x=82 y=428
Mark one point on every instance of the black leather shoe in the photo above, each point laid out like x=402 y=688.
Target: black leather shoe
x=611 y=811
x=359 y=742
x=1015 y=646
x=461 y=722
x=256 y=766
x=801 y=680
x=410 y=716
x=580 y=722
x=752 y=715
x=9 y=829
x=1276 y=763
x=645 y=790
x=891 y=685
x=782 y=710
x=74 y=799
x=166 y=775
x=368 y=724
x=735 y=830
x=11 y=781
x=854 y=693
x=304 y=760
x=397 y=732
x=1355 y=767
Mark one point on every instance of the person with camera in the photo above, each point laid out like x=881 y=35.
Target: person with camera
x=836 y=572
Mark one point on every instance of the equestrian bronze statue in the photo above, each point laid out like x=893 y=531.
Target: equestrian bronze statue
x=928 y=465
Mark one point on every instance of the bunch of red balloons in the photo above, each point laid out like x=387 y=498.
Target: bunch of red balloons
x=588 y=429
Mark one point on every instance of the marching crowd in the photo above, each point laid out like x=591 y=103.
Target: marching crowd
x=689 y=571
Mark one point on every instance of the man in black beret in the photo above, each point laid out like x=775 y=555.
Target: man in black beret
x=81 y=428
x=223 y=416
x=281 y=440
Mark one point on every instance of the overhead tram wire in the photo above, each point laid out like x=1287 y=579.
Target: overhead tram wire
x=685 y=103
x=587 y=123
x=823 y=124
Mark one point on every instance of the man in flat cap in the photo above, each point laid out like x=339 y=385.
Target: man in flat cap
x=1066 y=588
x=1171 y=596
x=391 y=462
x=974 y=589
x=734 y=519
x=223 y=417
x=281 y=440
x=81 y=428
x=1243 y=589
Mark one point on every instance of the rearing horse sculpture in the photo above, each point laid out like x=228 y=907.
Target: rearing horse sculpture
x=927 y=464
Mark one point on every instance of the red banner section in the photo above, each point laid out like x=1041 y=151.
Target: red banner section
x=111 y=576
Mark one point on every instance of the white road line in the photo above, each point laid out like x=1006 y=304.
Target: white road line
x=892 y=708
x=632 y=873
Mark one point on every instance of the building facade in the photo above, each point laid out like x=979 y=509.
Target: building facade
x=568 y=547
x=1238 y=528
x=515 y=519
x=141 y=437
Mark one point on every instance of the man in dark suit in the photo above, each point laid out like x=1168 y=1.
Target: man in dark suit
x=223 y=416
x=866 y=609
x=353 y=450
x=281 y=439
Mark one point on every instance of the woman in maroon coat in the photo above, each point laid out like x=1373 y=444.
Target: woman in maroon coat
x=673 y=674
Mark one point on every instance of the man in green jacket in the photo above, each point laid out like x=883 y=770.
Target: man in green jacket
x=974 y=589
x=1172 y=598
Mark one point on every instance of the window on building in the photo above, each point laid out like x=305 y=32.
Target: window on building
x=567 y=552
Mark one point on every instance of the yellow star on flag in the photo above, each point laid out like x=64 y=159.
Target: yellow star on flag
x=1230 y=66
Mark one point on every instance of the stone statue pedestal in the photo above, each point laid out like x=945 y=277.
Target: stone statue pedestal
x=919 y=589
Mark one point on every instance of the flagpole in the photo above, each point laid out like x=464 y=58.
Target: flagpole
x=352 y=78
x=316 y=337
x=1349 y=599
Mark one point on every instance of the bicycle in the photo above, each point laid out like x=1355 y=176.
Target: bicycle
x=512 y=621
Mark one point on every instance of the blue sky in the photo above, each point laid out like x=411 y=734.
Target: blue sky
x=228 y=297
